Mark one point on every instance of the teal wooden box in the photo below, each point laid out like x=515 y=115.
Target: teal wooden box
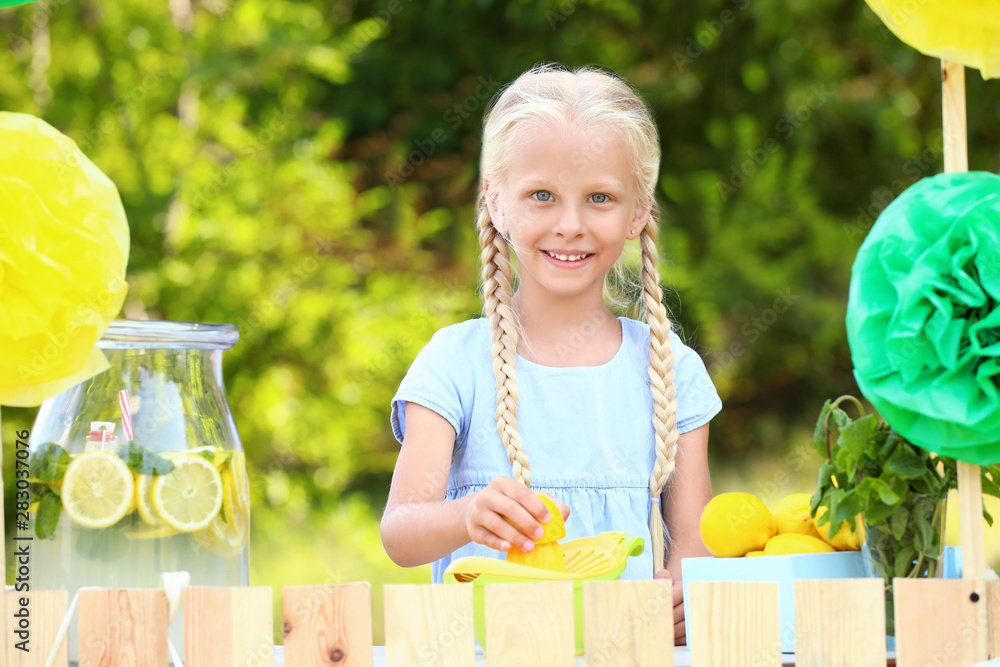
x=785 y=570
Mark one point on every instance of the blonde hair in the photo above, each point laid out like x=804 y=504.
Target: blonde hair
x=587 y=97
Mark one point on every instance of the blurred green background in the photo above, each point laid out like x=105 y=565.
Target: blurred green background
x=307 y=171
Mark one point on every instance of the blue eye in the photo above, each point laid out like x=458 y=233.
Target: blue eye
x=601 y=201
x=543 y=192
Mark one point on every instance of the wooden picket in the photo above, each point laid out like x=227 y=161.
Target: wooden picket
x=840 y=623
x=628 y=623
x=328 y=625
x=227 y=626
x=530 y=624
x=120 y=627
x=45 y=612
x=734 y=623
x=941 y=622
x=431 y=626
x=952 y=623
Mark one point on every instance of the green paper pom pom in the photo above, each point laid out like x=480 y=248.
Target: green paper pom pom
x=923 y=315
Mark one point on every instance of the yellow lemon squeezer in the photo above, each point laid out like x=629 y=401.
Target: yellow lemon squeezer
x=601 y=557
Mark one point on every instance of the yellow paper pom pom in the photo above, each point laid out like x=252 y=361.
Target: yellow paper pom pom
x=965 y=31
x=64 y=243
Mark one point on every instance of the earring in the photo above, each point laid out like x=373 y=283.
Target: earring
x=631 y=231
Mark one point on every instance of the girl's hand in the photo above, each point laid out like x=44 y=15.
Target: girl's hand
x=507 y=513
x=678 y=596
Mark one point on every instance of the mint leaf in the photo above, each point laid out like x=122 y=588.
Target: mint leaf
x=907 y=466
x=923 y=538
x=48 y=462
x=904 y=561
x=876 y=487
x=207 y=454
x=989 y=476
x=856 y=434
x=47 y=516
x=819 y=441
x=900 y=520
x=144 y=461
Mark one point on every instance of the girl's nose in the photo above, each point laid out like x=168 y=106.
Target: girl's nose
x=570 y=222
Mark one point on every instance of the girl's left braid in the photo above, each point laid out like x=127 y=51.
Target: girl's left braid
x=661 y=385
x=497 y=295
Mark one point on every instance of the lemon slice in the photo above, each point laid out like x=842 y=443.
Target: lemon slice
x=221 y=538
x=239 y=481
x=188 y=497
x=144 y=500
x=219 y=457
x=97 y=489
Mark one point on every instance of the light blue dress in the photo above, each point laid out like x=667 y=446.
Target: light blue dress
x=587 y=431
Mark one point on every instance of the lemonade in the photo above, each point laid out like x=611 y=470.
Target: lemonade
x=120 y=528
x=139 y=470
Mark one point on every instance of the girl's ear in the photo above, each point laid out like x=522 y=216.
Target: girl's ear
x=492 y=197
x=639 y=220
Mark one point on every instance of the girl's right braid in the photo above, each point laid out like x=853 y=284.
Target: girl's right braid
x=497 y=295
x=661 y=385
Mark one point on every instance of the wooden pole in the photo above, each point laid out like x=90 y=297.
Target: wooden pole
x=3 y=552
x=956 y=159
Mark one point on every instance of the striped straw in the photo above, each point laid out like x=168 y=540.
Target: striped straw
x=126 y=415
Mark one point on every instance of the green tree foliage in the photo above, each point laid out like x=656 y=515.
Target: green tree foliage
x=307 y=170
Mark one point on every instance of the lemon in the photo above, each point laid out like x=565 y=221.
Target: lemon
x=144 y=500
x=733 y=524
x=218 y=456
x=222 y=538
x=235 y=504
x=97 y=489
x=756 y=553
x=190 y=496
x=554 y=529
x=795 y=543
x=229 y=532
x=240 y=484
x=792 y=515
x=845 y=539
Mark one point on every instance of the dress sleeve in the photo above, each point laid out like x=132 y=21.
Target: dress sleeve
x=440 y=379
x=697 y=399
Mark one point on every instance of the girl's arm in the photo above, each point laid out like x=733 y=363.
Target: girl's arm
x=688 y=491
x=420 y=526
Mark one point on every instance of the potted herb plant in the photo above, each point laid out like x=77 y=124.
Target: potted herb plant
x=889 y=490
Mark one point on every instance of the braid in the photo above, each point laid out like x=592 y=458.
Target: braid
x=661 y=385
x=497 y=295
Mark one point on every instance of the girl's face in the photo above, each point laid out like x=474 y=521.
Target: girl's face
x=568 y=208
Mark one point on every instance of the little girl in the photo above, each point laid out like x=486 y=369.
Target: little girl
x=550 y=391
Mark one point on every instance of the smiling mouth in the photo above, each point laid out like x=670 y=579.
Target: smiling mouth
x=568 y=258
